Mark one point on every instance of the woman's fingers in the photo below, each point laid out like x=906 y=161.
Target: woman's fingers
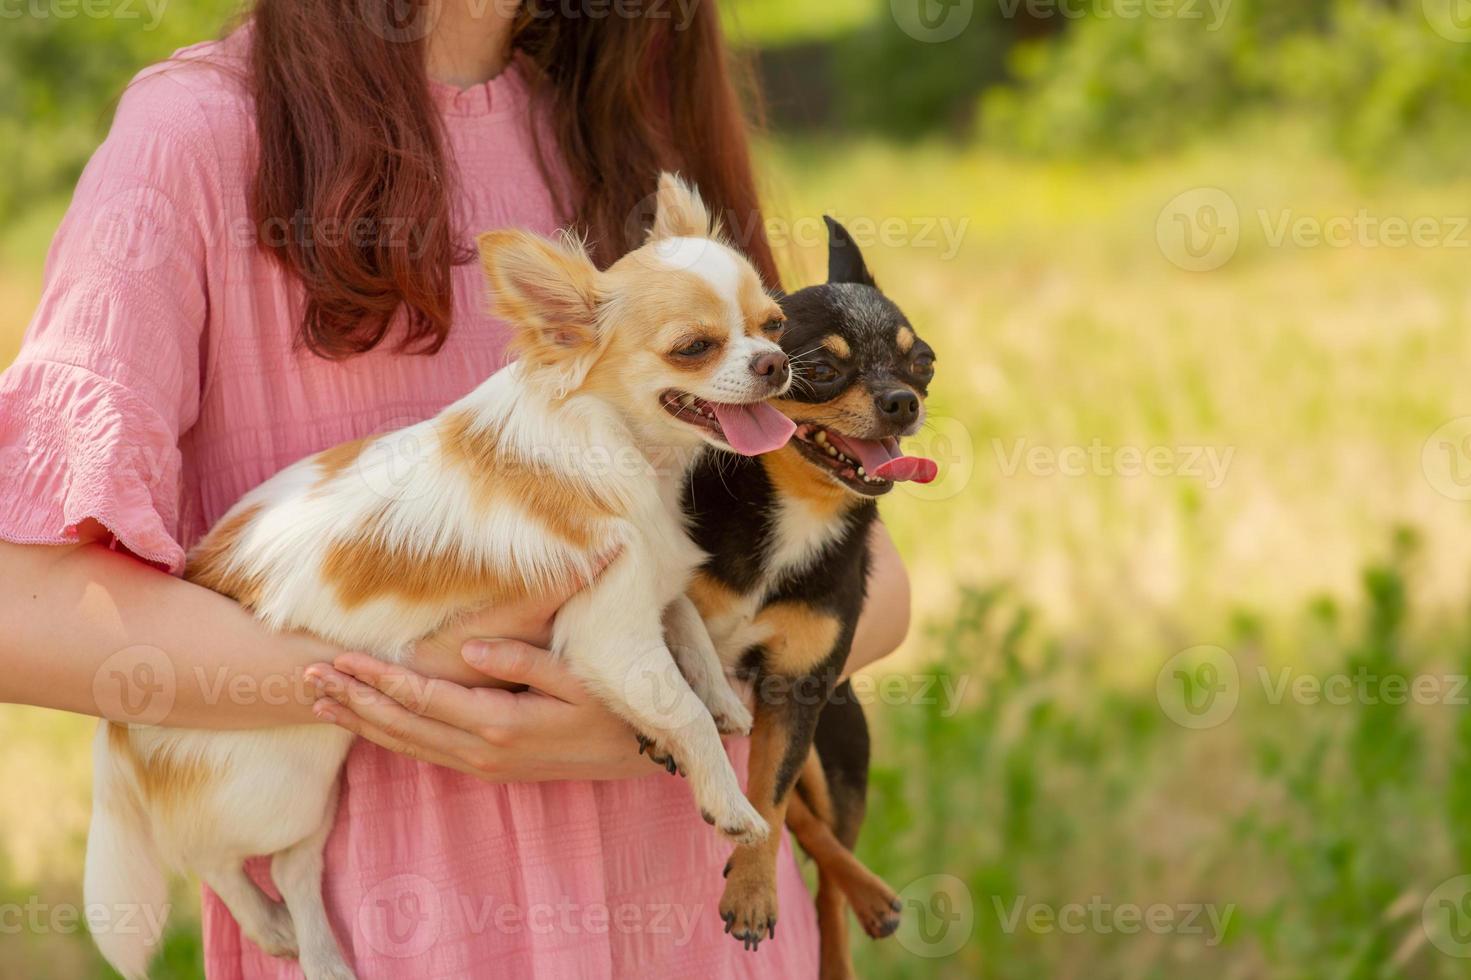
x=522 y=663
x=344 y=717
x=470 y=710
x=395 y=726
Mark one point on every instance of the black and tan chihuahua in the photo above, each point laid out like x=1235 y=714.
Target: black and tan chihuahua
x=788 y=539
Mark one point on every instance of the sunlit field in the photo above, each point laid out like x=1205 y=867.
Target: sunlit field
x=1138 y=459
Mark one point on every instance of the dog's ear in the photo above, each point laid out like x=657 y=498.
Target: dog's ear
x=548 y=292
x=679 y=212
x=844 y=261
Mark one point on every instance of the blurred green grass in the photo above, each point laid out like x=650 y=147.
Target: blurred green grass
x=1053 y=602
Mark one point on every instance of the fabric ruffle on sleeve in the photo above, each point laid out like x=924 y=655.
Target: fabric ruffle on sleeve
x=108 y=378
x=75 y=445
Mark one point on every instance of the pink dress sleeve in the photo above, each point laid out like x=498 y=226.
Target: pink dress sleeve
x=109 y=375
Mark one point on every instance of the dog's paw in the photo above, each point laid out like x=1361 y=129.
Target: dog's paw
x=659 y=755
x=748 y=906
x=737 y=821
x=877 y=910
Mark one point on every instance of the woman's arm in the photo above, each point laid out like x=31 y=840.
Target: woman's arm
x=885 y=619
x=98 y=632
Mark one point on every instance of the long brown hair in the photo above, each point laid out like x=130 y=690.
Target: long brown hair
x=350 y=139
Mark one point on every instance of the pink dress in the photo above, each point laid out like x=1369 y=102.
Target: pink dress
x=159 y=382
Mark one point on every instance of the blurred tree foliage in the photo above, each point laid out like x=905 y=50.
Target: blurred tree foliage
x=63 y=63
x=1388 y=82
x=888 y=81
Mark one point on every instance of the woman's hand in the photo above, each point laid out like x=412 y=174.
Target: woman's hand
x=552 y=730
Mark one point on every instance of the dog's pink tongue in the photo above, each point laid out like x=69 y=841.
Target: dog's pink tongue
x=881 y=458
x=754 y=429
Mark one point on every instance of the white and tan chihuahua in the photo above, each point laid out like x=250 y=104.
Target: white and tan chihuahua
x=525 y=484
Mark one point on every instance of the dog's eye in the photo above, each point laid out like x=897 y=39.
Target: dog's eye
x=695 y=348
x=924 y=365
x=773 y=328
x=821 y=372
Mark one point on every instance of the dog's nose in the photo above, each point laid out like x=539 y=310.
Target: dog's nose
x=771 y=365
x=901 y=405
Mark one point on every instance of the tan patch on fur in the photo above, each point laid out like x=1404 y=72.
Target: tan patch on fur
x=757 y=308
x=166 y=781
x=365 y=567
x=798 y=637
x=795 y=478
x=210 y=561
x=851 y=413
x=837 y=345
x=710 y=597
x=569 y=509
x=333 y=461
x=905 y=340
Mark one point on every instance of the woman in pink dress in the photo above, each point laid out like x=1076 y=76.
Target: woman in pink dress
x=269 y=256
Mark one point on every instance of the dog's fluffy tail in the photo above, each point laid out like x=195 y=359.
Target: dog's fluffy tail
x=126 y=886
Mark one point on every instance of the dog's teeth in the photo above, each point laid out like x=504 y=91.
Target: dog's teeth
x=860 y=472
x=820 y=438
x=832 y=450
x=687 y=400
